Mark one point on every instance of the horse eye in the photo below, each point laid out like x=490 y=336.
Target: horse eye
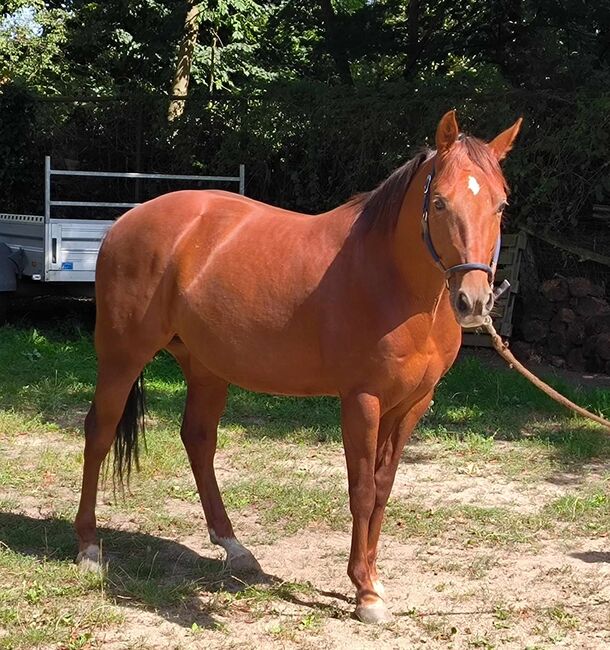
x=502 y=207
x=439 y=204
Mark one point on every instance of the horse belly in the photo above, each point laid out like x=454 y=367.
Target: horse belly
x=263 y=362
x=260 y=342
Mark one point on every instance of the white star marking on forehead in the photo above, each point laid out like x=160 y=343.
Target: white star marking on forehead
x=473 y=185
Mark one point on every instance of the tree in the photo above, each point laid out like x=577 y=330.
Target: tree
x=32 y=38
x=335 y=44
x=182 y=74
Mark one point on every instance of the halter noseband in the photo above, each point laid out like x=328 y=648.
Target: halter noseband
x=468 y=266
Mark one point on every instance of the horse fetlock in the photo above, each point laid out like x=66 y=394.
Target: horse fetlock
x=239 y=559
x=379 y=588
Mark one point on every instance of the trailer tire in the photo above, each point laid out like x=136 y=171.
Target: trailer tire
x=5 y=300
x=11 y=267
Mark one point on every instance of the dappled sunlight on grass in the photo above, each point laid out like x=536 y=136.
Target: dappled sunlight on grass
x=49 y=378
x=15 y=423
x=462 y=414
x=290 y=506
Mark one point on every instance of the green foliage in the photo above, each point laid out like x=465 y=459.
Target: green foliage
x=32 y=38
x=311 y=134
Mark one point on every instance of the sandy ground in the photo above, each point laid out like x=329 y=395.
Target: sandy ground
x=442 y=594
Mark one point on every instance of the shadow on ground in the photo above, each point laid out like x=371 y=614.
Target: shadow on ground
x=144 y=571
x=592 y=557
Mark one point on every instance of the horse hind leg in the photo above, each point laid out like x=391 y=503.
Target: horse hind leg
x=114 y=407
x=205 y=403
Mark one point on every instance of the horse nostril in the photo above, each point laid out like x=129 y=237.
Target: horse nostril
x=463 y=303
x=490 y=303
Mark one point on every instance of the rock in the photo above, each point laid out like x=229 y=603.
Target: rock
x=590 y=306
x=555 y=290
x=579 y=287
x=602 y=346
x=576 y=332
x=588 y=348
x=557 y=325
x=566 y=315
x=557 y=343
x=534 y=330
x=539 y=309
x=602 y=323
x=597 y=291
x=521 y=350
x=597 y=325
x=576 y=359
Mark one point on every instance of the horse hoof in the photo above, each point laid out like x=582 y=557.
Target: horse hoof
x=245 y=562
x=88 y=560
x=373 y=614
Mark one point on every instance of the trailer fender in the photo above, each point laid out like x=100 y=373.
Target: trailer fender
x=12 y=264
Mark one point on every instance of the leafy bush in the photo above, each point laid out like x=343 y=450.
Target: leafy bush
x=310 y=146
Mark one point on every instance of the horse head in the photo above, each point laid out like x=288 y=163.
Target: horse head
x=465 y=196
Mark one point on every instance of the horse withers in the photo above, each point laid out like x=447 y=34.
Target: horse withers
x=364 y=302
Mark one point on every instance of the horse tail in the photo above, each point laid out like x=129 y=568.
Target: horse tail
x=131 y=425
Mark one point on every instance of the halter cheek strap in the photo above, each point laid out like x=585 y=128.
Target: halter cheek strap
x=490 y=269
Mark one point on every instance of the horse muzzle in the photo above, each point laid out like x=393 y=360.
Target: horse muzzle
x=472 y=299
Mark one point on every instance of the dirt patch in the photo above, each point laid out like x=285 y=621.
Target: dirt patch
x=450 y=593
x=439 y=598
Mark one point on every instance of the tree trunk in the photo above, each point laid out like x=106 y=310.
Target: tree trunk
x=182 y=74
x=335 y=45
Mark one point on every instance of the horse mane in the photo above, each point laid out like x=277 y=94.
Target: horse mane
x=379 y=209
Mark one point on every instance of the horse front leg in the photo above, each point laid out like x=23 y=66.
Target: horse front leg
x=360 y=427
x=395 y=429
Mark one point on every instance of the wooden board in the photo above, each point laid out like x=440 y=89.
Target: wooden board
x=601 y=212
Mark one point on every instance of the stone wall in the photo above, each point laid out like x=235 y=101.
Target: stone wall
x=567 y=322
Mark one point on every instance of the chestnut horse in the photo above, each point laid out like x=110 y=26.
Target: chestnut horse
x=353 y=303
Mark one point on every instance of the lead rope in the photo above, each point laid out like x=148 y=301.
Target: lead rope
x=502 y=349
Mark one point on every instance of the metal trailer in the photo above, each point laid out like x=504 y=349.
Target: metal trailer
x=44 y=254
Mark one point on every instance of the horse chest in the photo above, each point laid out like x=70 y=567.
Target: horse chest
x=411 y=364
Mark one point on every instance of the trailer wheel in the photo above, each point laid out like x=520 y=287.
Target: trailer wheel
x=5 y=300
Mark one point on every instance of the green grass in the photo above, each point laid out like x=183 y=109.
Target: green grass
x=283 y=464
x=587 y=512
x=474 y=399
x=464 y=524
x=44 y=601
x=289 y=507
x=43 y=377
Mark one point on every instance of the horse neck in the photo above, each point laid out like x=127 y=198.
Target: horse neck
x=411 y=256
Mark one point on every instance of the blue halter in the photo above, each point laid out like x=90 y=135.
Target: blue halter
x=468 y=266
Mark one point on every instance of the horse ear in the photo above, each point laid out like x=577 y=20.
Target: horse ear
x=447 y=132
x=503 y=143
